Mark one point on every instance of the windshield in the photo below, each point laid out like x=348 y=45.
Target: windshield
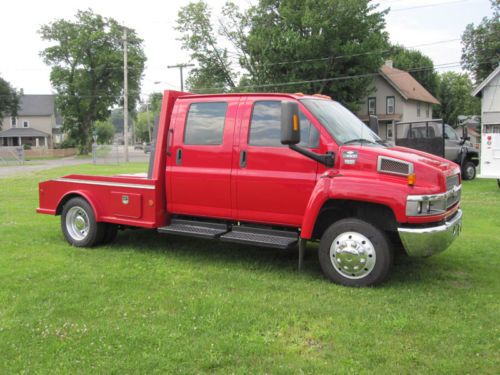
x=341 y=123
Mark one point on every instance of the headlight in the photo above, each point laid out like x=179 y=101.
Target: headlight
x=433 y=204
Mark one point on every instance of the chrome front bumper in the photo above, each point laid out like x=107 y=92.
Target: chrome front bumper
x=423 y=242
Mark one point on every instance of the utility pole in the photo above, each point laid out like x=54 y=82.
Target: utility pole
x=180 y=66
x=125 y=93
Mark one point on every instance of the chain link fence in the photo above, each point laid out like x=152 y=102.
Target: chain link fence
x=11 y=155
x=115 y=154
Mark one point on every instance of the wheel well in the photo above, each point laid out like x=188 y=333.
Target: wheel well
x=336 y=209
x=66 y=199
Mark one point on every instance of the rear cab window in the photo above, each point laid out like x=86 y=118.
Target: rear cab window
x=265 y=126
x=205 y=123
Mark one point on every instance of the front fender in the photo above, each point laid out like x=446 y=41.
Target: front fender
x=390 y=194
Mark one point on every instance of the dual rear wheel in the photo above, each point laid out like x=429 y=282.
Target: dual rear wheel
x=80 y=227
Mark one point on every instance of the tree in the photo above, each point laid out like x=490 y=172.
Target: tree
x=337 y=49
x=214 y=69
x=454 y=95
x=105 y=132
x=277 y=43
x=9 y=100
x=144 y=125
x=481 y=45
x=420 y=66
x=86 y=57
x=154 y=102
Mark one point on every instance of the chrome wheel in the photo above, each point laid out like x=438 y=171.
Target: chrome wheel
x=352 y=255
x=77 y=223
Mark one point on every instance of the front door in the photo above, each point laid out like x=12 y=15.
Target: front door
x=452 y=144
x=199 y=161
x=273 y=183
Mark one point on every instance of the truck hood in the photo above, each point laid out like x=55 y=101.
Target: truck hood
x=419 y=157
x=431 y=171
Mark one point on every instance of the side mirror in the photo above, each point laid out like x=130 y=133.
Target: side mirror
x=290 y=123
x=373 y=124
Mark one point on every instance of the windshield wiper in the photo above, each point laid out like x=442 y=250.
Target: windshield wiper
x=359 y=140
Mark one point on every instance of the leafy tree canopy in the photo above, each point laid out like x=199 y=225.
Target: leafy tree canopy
x=144 y=126
x=454 y=95
x=481 y=45
x=105 y=132
x=9 y=100
x=420 y=66
x=86 y=56
x=278 y=42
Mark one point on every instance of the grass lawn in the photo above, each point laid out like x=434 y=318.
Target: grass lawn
x=151 y=303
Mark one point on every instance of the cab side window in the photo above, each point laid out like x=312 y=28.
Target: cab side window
x=205 y=123
x=449 y=133
x=265 y=126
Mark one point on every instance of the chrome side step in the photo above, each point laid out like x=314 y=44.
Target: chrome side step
x=261 y=237
x=195 y=228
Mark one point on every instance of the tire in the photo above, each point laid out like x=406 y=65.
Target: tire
x=110 y=233
x=365 y=251
x=468 y=171
x=79 y=226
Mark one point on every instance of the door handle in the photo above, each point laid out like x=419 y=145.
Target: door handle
x=178 y=157
x=243 y=159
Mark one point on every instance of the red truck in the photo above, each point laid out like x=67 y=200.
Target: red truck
x=274 y=170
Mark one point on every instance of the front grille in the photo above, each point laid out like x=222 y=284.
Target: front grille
x=389 y=165
x=451 y=182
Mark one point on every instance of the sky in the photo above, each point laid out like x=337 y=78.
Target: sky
x=432 y=26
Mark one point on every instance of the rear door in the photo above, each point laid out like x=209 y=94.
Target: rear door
x=200 y=156
x=273 y=183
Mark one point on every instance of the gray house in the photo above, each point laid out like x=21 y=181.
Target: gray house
x=396 y=96
x=36 y=123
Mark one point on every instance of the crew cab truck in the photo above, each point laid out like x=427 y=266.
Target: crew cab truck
x=273 y=170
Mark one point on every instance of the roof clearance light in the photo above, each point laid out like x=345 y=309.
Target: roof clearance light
x=323 y=96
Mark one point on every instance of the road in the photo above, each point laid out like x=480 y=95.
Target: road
x=111 y=158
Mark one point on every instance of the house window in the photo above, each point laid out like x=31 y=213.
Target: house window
x=372 y=106
x=390 y=103
x=13 y=122
x=418 y=109
x=26 y=124
x=427 y=110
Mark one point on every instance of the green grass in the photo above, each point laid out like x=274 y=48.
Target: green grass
x=163 y=304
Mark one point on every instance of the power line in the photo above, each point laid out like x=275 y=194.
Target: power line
x=360 y=53
x=339 y=78
x=428 y=5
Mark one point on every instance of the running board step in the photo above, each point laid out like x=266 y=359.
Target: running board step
x=261 y=237
x=194 y=228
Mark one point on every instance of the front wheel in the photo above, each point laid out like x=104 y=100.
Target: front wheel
x=468 y=171
x=79 y=225
x=353 y=252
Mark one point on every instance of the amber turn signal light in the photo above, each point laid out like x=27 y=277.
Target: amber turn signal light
x=412 y=179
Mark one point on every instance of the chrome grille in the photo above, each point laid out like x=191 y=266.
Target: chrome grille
x=451 y=182
x=394 y=166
